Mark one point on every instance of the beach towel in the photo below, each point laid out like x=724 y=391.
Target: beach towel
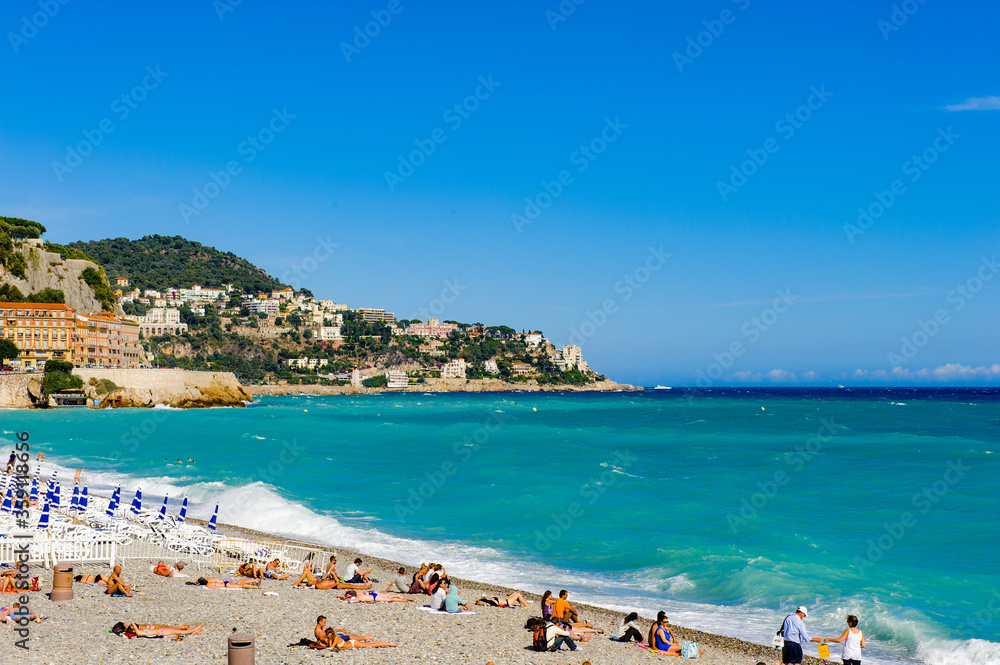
x=646 y=647
x=428 y=608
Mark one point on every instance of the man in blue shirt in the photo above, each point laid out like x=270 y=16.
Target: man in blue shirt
x=795 y=633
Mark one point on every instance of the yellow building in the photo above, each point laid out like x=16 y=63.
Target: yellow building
x=41 y=332
x=104 y=340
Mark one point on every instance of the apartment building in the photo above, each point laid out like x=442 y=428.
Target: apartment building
x=433 y=328
x=105 y=340
x=454 y=369
x=397 y=379
x=41 y=332
x=374 y=315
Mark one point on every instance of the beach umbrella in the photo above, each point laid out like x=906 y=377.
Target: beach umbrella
x=6 y=507
x=56 y=498
x=215 y=518
x=74 y=503
x=34 y=488
x=184 y=510
x=43 y=521
x=83 y=499
x=137 y=501
x=113 y=504
x=163 y=510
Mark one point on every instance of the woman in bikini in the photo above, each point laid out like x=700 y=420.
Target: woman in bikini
x=509 y=601
x=355 y=597
x=91 y=579
x=8 y=583
x=309 y=579
x=216 y=583
x=160 y=630
x=341 y=642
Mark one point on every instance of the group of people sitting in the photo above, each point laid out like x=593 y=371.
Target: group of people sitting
x=559 y=624
x=340 y=639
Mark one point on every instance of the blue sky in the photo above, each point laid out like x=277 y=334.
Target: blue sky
x=739 y=138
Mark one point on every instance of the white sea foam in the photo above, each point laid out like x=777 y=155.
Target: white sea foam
x=259 y=506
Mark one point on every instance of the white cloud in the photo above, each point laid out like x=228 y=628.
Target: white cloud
x=773 y=376
x=949 y=373
x=781 y=376
x=747 y=377
x=991 y=103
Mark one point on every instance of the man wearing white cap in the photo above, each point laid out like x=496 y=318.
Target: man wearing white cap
x=794 y=632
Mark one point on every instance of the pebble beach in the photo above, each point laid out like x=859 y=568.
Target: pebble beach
x=77 y=631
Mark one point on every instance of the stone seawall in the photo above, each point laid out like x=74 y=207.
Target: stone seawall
x=138 y=388
x=14 y=390
x=170 y=387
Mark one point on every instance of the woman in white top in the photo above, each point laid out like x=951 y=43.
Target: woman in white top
x=853 y=639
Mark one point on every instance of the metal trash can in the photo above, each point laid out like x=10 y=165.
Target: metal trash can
x=241 y=649
x=62 y=582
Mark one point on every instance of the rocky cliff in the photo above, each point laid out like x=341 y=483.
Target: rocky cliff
x=49 y=270
x=168 y=387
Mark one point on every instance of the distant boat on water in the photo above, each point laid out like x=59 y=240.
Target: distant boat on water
x=663 y=388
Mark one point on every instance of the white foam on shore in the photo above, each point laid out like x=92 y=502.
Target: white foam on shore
x=260 y=507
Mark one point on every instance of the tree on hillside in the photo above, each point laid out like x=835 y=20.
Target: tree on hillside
x=8 y=350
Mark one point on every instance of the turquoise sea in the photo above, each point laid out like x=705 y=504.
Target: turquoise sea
x=727 y=508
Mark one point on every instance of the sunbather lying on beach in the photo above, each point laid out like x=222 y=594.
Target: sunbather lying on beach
x=320 y=631
x=342 y=642
x=16 y=615
x=356 y=597
x=250 y=570
x=100 y=578
x=509 y=601
x=217 y=583
x=154 y=629
x=308 y=579
x=163 y=570
x=274 y=572
x=116 y=585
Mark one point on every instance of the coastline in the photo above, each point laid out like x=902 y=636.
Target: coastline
x=78 y=629
x=438 y=385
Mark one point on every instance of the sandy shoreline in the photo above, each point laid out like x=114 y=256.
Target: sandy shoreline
x=76 y=631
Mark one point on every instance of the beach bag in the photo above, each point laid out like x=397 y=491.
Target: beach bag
x=689 y=650
x=118 y=628
x=824 y=651
x=779 y=637
x=539 y=640
x=35 y=585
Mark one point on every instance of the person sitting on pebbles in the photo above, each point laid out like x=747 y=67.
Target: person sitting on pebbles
x=354 y=574
x=154 y=629
x=116 y=585
x=249 y=570
x=274 y=571
x=217 y=583
x=163 y=570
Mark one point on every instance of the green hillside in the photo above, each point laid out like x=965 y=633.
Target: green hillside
x=158 y=262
